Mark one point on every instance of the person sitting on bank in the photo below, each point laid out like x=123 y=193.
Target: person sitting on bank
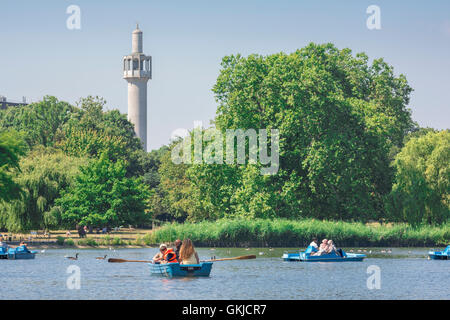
x=178 y=244
x=188 y=255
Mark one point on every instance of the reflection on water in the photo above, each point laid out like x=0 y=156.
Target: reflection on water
x=405 y=274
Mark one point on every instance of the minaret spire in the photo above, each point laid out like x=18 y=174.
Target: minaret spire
x=137 y=70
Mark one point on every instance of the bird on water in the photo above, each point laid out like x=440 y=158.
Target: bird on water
x=73 y=258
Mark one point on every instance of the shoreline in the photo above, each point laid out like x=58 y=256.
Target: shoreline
x=241 y=233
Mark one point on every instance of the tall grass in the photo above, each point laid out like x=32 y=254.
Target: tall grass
x=287 y=233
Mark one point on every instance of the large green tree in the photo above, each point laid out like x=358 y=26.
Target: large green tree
x=44 y=174
x=91 y=131
x=338 y=117
x=421 y=192
x=12 y=146
x=41 y=121
x=103 y=195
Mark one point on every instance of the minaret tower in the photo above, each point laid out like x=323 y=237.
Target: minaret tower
x=137 y=70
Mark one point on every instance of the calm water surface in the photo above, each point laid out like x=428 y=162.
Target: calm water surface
x=405 y=274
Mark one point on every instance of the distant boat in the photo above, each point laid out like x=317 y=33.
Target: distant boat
x=179 y=270
x=440 y=255
x=17 y=253
x=330 y=257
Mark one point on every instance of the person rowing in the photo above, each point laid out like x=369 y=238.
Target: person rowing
x=165 y=255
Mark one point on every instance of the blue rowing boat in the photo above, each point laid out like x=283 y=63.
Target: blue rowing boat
x=330 y=257
x=17 y=253
x=440 y=255
x=181 y=270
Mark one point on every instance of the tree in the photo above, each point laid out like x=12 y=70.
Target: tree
x=40 y=122
x=12 y=146
x=44 y=174
x=103 y=195
x=91 y=131
x=173 y=197
x=338 y=117
x=421 y=192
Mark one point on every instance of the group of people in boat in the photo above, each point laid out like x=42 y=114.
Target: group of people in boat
x=183 y=253
x=325 y=247
x=5 y=246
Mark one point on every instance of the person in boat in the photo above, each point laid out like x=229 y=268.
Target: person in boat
x=313 y=247
x=178 y=244
x=3 y=244
x=331 y=247
x=322 y=248
x=159 y=256
x=23 y=244
x=165 y=255
x=188 y=255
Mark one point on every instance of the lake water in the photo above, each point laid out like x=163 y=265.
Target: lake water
x=406 y=273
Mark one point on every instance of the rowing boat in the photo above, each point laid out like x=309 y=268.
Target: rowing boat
x=181 y=270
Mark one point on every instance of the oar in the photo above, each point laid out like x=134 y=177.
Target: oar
x=252 y=256
x=123 y=260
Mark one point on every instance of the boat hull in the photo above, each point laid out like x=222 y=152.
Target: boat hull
x=179 y=270
x=332 y=257
x=22 y=255
x=440 y=255
x=17 y=254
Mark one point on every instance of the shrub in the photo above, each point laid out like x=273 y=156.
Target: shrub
x=60 y=240
x=117 y=241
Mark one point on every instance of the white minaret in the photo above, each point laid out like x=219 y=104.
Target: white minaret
x=137 y=69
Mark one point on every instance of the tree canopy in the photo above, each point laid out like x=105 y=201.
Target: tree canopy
x=44 y=173
x=102 y=195
x=338 y=117
x=12 y=146
x=421 y=192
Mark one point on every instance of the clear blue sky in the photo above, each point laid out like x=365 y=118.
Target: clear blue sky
x=187 y=39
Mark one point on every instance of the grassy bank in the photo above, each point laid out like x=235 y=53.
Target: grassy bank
x=289 y=233
x=59 y=238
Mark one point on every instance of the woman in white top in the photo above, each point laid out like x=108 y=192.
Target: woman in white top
x=188 y=255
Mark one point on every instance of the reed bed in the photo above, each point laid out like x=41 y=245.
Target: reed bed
x=293 y=233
